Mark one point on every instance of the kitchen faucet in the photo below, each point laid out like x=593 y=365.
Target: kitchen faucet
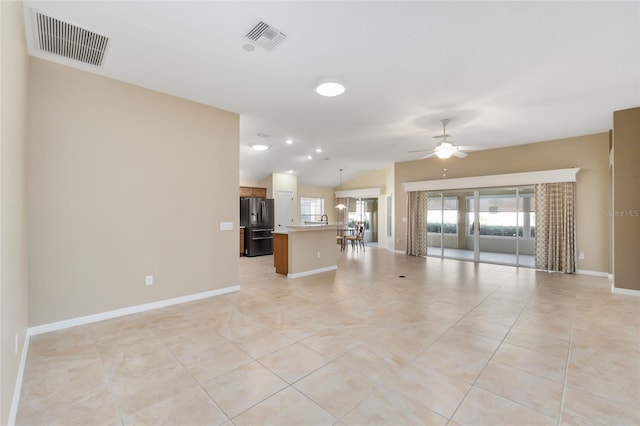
x=324 y=218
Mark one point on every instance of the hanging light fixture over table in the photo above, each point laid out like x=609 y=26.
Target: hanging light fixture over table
x=341 y=206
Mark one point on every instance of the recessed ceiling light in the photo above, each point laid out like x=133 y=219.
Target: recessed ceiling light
x=289 y=171
x=260 y=147
x=248 y=47
x=309 y=157
x=318 y=150
x=289 y=141
x=330 y=88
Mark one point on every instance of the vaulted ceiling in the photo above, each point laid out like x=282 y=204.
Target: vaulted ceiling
x=504 y=73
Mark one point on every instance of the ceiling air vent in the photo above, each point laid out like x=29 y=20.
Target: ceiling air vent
x=64 y=39
x=265 y=36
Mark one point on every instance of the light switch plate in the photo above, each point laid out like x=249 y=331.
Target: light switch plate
x=226 y=226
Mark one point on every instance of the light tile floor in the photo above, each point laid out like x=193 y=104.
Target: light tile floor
x=451 y=343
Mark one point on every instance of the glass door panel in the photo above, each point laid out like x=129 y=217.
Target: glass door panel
x=434 y=224
x=498 y=223
x=455 y=241
x=527 y=229
x=491 y=225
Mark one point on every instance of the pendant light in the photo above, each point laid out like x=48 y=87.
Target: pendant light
x=341 y=206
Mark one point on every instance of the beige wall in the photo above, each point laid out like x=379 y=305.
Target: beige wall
x=320 y=192
x=626 y=211
x=13 y=214
x=590 y=153
x=373 y=179
x=125 y=182
x=251 y=183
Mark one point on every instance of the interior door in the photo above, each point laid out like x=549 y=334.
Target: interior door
x=285 y=208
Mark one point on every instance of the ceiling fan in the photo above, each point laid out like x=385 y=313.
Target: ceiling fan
x=446 y=149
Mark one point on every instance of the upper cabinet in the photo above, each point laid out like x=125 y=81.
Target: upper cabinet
x=248 y=191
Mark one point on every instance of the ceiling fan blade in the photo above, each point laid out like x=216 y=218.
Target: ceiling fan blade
x=460 y=154
x=421 y=150
x=442 y=136
x=433 y=154
x=472 y=147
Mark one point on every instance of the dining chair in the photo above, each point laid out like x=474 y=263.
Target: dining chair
x=357 y=239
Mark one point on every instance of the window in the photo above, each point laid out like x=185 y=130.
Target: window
x=438 y=219
x=501 y=215
x=311 y=209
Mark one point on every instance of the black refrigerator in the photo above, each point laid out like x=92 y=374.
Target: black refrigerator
x=256 y=215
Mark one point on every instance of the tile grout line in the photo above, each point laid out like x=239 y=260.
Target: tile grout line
x=200 y=385
x=494 y=353
x=566 y=368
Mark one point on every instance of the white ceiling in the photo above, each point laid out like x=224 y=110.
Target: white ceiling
x=505 y=73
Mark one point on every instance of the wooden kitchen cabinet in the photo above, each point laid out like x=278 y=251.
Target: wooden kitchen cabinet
x=241 y=241
x=281 y=253
x=250 y=191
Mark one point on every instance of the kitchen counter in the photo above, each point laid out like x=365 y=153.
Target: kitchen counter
x=303 y=250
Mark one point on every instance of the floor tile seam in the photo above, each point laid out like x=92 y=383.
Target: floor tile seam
x=566 y=369
x=491 y=357
x=367 y=394
x=201 y=386
x=198 y=385
x=587 y=391
x=214 y=345
x=513 y=402
x=298 y=379
x=464 y=317
x=528 y=373
x=120 y=411
x=195 y=380
x=359 y=373
x=538 y=351
x=264 y=399
x=248 y=408
x=330 y=358
x=262 y=355
x=409 y=398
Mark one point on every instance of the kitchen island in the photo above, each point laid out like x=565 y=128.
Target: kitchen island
x=305 y=250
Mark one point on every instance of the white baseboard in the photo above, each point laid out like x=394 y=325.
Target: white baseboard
x=625 y=291
x=60 y=325
x=313 y=271
x=399 y=251
x=592 y=273
x=13 y=411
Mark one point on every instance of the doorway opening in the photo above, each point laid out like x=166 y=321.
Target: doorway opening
x=364 y=211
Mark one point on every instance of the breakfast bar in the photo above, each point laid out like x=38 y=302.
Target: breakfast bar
x=305 y=250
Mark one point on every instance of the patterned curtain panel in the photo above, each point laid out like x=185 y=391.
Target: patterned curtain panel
x=555 y=227
x=342 y=215
x=417 y=223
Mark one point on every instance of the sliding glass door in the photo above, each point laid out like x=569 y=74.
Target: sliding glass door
x=494 y=225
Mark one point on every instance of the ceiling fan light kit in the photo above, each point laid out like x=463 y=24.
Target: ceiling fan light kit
x=446 y=149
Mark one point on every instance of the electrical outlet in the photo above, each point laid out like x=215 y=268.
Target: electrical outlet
x=148 y=280
x=581 y=255
x=318 y=255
